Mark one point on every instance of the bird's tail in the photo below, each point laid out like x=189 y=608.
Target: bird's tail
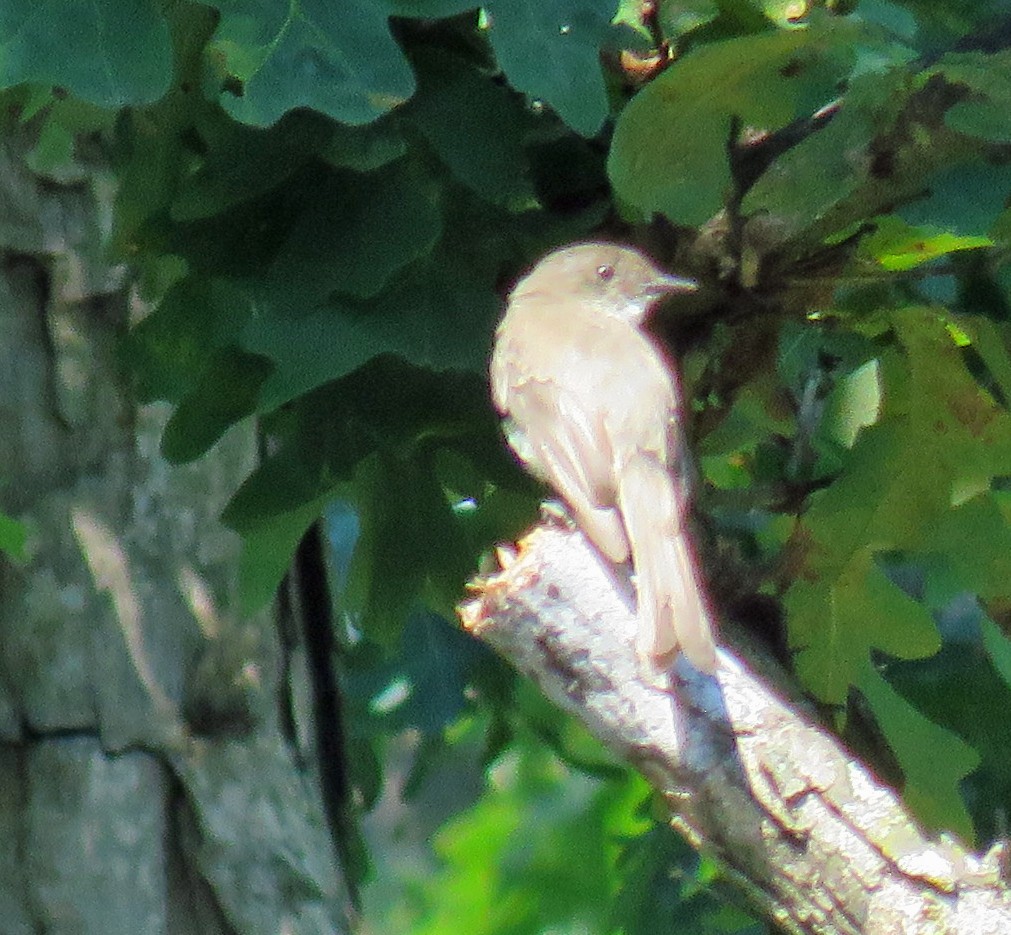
x=672 y=605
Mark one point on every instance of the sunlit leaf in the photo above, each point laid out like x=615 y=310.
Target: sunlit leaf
x=13 y=536
x=896 y=245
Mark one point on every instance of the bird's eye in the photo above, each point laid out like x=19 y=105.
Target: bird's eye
x=605 y=272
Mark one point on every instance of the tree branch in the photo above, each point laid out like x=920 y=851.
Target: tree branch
x=815 y=839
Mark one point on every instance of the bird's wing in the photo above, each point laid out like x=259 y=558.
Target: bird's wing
x=552 y=421
x=567 y=445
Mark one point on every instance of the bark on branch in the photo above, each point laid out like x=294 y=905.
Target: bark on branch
x=817 y=841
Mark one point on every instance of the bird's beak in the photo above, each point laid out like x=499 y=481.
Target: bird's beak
x=665 y=284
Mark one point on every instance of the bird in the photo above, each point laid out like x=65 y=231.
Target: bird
x=592 y=407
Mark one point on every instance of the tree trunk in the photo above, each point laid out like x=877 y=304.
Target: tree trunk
x=147 y=782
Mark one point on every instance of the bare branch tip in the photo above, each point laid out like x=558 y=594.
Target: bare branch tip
x=472 y=614
x=506 y=555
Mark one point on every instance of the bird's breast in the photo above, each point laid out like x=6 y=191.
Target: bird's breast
x=606 y=367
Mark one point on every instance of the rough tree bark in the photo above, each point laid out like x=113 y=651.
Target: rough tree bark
x=818 y=843
x=147 y=782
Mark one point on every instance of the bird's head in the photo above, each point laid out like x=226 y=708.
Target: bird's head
x=605 y=278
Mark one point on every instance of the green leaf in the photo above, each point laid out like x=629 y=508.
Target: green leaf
x=985 y=114
x=429 y=9
x=172 y=348
x=680 y=18
x=999 y=648
x=287 y=482
x=352 y=233
x=972 y=541
x=438 y=660
x=324 y=232
x=836 y=382
x=992 y=342
x=477 y=127
x=936 y=413
x=550 y=50
x=486 y=514
x=111 y=54
x=734 y=455
x=226 y=392
x=934 y=761
x=942 y=23
x=428 y=318
x=267 y=552
x=337 y=59
x=835 y=622
x=439 y=311
x=853 y=404
x=13 y=537
x=499 y=870
x=244 y=163
x=964 y=200
x=402 y=512
x=385 y=405
x=807 y=350
x=378 y=438
x=987 y=120
x=962 y=690
x=669 y=149
x=155 y=143
x=963 y=434
x=870 y=156
x=895 y=245
x=663 y=889
x=64 y=120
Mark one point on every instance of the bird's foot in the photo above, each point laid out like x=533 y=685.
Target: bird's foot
x=555 y=513
x=655 y=671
